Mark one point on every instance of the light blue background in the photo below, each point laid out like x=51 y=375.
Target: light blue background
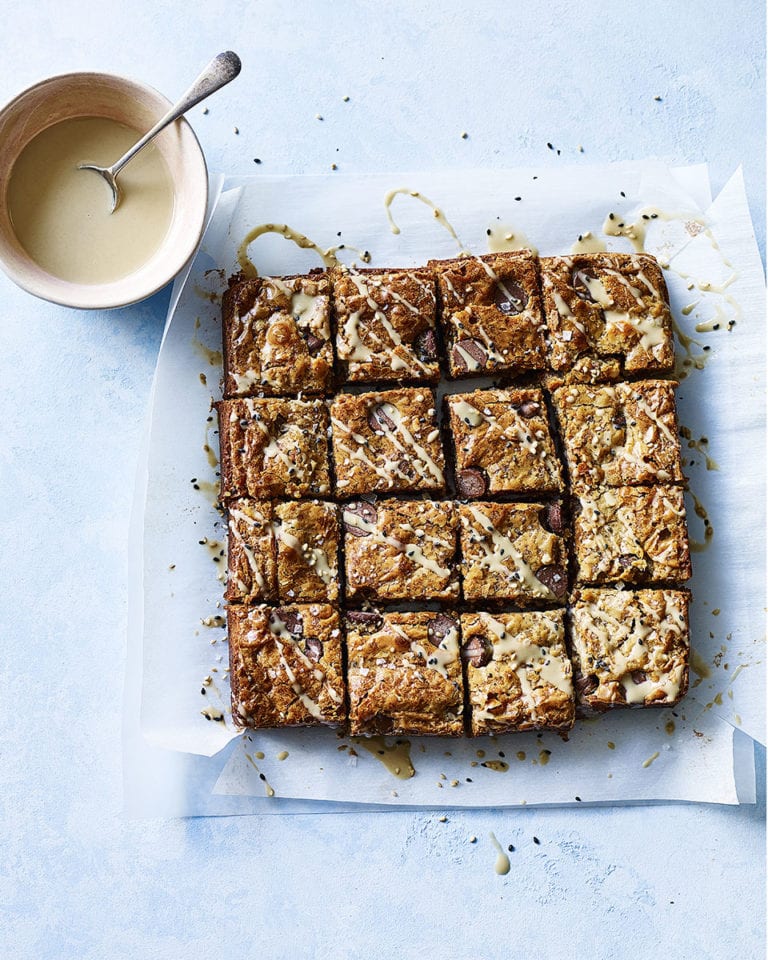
x=76 y=880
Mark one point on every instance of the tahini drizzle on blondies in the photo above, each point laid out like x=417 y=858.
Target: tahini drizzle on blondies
x=350 y=335
x=401 y=439
x=518 y=431
x=438 y=658
x=533 y=665
x=630 y=648
x=413 y=551
x=282 y=636
x=314 y=557
x=502 y=549
x=238 y=516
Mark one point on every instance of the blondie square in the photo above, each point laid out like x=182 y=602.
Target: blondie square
x=503 y=443
x=273 y=448
x=519 y=676
x=607 y=306
x=277 y=336
x=513 y=551
x=307 y=535
x=285 y=665
x=404 y=674
x=620 y=434
x=387 y=441
x=251 y=557
x=491 y=315
x=631 y=534
x=401 y=550
x=385 y=324
x=630 y=648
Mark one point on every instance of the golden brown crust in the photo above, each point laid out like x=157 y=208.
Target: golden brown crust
x=509 y=553
x=491 y=313
x=385 y=324
x=277 y=336
x=607 y=305
x=307 y=535
x=633 y=535
x=502 y=438
x=273 y=448
x=404 y=674
x=401 y=550
x=630 y=648
x=518 y=673
x=285 y=665
x=620 y=434
x=387 y=442
x=251 y=559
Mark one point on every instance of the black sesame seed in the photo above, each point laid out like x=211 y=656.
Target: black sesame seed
x=256 y=160
x=511 y=848
x=262 y=777
x=549 y=146
x=536 y=840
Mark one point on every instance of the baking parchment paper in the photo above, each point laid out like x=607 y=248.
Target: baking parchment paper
x=654 y=755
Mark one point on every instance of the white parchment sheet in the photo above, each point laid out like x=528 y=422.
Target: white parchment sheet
x=685 y=754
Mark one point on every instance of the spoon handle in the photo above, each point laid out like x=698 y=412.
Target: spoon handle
x=220 y=71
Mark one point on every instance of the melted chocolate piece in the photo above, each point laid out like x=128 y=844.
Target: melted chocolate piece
x=529 y=408
x=554 y=579
x=552 y=518
x=369 y=620
x=378 y=420
x=292 y=620
x=578 y=282
x=366 y=511
x=478 y=651
x=471 y=347
x=471 y=483
x=314 y=344
x=439 y=628
x=517 y=300
x=639 y=676
x=313 y=647
x=586 y=685
x=425 y=346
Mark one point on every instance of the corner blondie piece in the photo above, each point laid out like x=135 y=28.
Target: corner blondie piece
x=620 y=435
x=491 y=313
x=630 y=648
x=387 y=442
x=251 y=557
x=404 y=674
x=307 y=535
x=273 y=448
x=607 y=306
x=503 y=443
x=401 y=550
x=385 y=324
x=277 y=336
x=519 y=676
x=631 y=534
x=512 y=551
x=285 y=665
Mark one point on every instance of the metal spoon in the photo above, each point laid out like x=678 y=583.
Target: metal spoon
x=220 y=71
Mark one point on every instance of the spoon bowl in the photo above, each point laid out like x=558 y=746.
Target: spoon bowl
x=134 y=105
x=223 y=68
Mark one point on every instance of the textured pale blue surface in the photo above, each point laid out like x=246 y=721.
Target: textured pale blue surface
x=75 y=879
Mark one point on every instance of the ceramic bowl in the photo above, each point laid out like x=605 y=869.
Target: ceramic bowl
x=139 y=107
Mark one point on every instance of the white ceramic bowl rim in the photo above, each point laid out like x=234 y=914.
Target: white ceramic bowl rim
x=180 y=149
